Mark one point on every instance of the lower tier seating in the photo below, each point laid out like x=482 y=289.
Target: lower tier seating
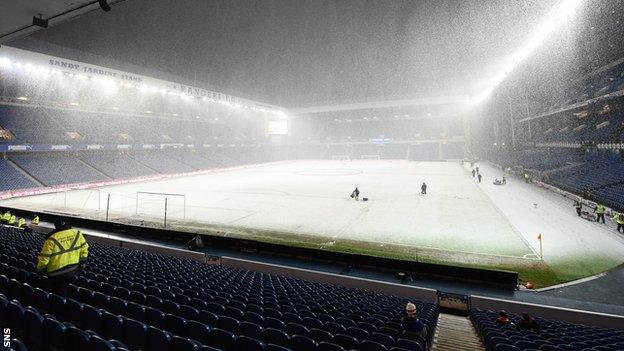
x=129 y=299
x=551 y=335
x=12 y=179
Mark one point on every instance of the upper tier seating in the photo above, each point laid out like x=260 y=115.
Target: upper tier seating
x=12 y=179
x=40 y=125
x=552 y=335
x=56 y=170
x=151 y=301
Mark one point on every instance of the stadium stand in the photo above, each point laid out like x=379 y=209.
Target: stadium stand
x=40 y=125
x=117 y=165
x=130 y=299
x=12 y=179
x=56 y=169
x=599 y=173
x=161 y=162
x=552 y=335
x=196 y=160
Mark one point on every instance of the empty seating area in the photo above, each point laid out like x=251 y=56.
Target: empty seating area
x=591 y=177
x=540 y=159
x=129 y=299
x=566 y=127
x=12 y=179
x=551 y=336
x=41 y=125
x=161 y=162
x=116 y=165
x=56 y=169
x=601 y=173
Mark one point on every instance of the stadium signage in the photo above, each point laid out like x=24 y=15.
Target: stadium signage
x=18 y=147
x=74 y=67
x=60 y=147
x=82 y=147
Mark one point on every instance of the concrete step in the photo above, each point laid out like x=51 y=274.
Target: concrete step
x=455 y=333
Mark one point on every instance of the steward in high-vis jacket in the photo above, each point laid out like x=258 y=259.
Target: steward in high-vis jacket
x=35 y=220
x=12 y=220
x=6 y=217
x=619 y=220
x=600 y=213
x=62 y=256
x=21 y=222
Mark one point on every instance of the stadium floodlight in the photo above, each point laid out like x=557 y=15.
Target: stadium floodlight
x=558 y=16
x=5 y=62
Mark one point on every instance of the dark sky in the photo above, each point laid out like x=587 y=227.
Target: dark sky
x=301 y=52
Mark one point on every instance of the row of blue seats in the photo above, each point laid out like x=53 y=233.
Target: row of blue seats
x=551 y=335
x=241 y=303
x=52 y=170
x=41 y=125
x=12 y=179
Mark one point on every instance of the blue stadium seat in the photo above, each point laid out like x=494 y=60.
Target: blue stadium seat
x=346 y=341
x=275 y=336
x=54 y=332
x=319 y=335
x=134 y=333
x=198 y=331
x=76 y=339
x=245 y=343
x=294 y=328
x=96 y=343
x=368 y=345
x=183 y=344
x=156 y=339
x=222 y=339
x=251 y=330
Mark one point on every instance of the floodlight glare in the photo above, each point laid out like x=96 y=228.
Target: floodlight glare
x=5 y=62
x=561 y=13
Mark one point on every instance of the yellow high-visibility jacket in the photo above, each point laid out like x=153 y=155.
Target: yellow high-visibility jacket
x=35 y=220
x=600 y=209
x=63 y=250
x=619 y=218
x=6 y=216
x=21 y=222
x=12 y=220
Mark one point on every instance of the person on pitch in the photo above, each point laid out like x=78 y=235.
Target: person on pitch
x=355 y=194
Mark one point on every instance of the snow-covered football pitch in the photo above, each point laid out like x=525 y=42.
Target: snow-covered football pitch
x=458 y=221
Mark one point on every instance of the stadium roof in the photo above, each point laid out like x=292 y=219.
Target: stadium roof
x=17 y=16
x=306 y=53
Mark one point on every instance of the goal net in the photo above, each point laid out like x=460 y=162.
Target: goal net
x=341 y=157
x=161 y=206
x=85 y=200
x=370 y=157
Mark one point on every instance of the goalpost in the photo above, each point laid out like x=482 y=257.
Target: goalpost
x=341 y=157
x=161 y=205
x=370 y=157
x=80 y=199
